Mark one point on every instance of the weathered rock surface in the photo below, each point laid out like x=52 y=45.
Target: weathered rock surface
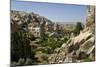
x=28 y=20
x=80 y=48
x=33 y=23
x=76 y=49
x=90 y=16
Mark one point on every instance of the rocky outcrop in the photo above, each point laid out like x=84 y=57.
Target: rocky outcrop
x=80 y=48
x=90 y=16
x=76 y=49
x=27 y=21
x=33 y=23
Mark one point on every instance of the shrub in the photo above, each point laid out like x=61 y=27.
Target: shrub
x=28 y=61
x=21 y=61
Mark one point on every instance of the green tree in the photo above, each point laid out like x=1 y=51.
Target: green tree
x=20 y=47
x=78 y=28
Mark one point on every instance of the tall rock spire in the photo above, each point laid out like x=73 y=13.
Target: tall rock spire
x=90 y=16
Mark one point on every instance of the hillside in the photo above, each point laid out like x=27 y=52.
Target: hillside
x=80 y=48
x=23 y=20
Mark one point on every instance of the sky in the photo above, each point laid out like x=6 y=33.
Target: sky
x=53 y=11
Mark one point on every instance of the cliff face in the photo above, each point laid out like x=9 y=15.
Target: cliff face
x=80 y=48
x=27 y=20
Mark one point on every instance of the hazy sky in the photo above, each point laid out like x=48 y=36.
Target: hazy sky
x=52 y=11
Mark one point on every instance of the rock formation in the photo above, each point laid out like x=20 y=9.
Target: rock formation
x=30 y=22
x=90 y=16
x=80 y=48
x=33 y=23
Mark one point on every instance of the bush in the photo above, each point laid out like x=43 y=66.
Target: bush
x=31 y=36
x=21 y=61
x=28 y=61
x=13 y=64
x=41 y=56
